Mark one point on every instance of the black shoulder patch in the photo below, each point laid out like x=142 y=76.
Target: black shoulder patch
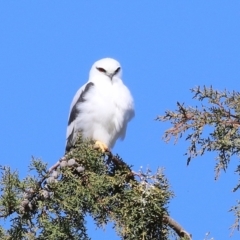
x=74 y=112
x=69 y=142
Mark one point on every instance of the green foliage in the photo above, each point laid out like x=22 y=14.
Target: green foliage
x=53 y=205
x=221 y=118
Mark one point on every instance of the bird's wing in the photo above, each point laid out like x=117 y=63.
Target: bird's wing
x=74 y=111
x=78 y=98
x=128 y=116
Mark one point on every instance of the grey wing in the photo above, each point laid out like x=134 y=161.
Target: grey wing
x=74 y=113
x=130 y=114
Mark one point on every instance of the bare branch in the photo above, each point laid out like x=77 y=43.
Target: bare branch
x=177 y=227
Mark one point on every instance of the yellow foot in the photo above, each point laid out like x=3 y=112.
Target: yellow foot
x=100 y=145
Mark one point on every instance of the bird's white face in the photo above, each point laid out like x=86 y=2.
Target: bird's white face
x=106 y=67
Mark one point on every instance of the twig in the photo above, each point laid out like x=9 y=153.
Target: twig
x=119 y=162
x=56 y=164
x=53 y=167
x=176 y=227
x=115 y=160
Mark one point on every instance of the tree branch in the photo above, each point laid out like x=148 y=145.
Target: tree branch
x=112 y=193
x=177 y=227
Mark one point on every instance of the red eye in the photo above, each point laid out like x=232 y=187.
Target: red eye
x=101 y=69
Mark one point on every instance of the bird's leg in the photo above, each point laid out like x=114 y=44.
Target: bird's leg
x=100 y=145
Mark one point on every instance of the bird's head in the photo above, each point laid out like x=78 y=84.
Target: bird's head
x=108 y=67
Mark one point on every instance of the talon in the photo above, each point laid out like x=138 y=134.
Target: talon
x=100 y=145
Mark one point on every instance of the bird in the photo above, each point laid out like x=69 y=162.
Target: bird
x=101 y=108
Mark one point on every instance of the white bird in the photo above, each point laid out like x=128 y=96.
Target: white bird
x=102 y=107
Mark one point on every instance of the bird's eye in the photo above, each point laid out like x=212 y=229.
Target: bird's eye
x=101 y=69
x=118 y=69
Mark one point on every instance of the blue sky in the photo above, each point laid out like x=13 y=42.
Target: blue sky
x=165 y=48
